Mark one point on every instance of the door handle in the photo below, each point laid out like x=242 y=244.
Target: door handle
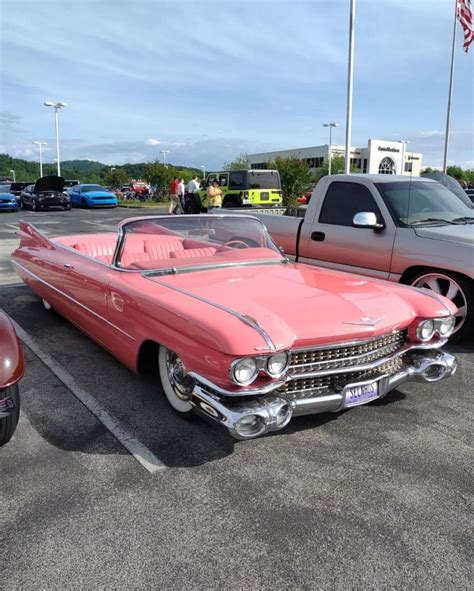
x=318 y=236
x=68 y=267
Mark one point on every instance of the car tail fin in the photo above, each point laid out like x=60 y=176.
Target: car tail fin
x=31 y=236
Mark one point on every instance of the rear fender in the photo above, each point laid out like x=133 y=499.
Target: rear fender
x=12 y=363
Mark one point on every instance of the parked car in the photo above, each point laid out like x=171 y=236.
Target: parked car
x=413 y=231
x=8 y=200
x=470 y=194
x=92 y=196
x=254 y=187
x=11 y=372
x=233 y=328
x=17 y=188
x=46 y=193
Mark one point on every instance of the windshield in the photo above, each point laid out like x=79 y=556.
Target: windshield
x=419 y=202
x=4 y=188
x=186 y=243
x=268 y=179
x=89 y=188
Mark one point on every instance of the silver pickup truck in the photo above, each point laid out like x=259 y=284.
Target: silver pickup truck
x=413 y=231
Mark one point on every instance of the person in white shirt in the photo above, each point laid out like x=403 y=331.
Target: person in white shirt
x=181 y=192
x=192 y=201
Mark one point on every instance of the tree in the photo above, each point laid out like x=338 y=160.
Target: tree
x=456 y=172
x=116 y=178
x=338 y=166
x=295 y=175
x=240 y=163
x=427 y=170
x=160 y=175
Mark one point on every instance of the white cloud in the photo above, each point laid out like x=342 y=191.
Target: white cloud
x=153 y=142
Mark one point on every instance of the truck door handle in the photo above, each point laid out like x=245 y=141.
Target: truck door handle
x=318 y=236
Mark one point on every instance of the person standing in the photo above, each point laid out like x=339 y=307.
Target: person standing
x=214 y=195
x=181 y=193
x=193 y=201
x=175 y=206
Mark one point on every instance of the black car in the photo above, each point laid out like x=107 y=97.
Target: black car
x=46 y=193
x=17 y=188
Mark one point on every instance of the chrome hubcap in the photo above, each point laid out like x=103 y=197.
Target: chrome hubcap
x=179 y=379
x=449 y=288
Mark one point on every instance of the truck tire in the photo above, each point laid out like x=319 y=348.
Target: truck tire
x=8 y=424
x=458 y=289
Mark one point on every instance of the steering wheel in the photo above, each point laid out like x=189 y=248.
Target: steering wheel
x=237 y=243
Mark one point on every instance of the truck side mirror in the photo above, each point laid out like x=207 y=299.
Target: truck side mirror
x=366 y=219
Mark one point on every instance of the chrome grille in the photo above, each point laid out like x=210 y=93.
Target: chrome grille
x=313 y=386
x=346 y=356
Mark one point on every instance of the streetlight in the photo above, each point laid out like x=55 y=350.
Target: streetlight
x=40 y=145
x=330 y=125
x=164 y=152
x=13 y=173
x=203 y=172
x=404 y=149
x=56 y=107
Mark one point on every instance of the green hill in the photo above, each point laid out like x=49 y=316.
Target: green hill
x=86 y=171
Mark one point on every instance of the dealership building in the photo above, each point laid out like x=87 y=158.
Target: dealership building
x=379 y=157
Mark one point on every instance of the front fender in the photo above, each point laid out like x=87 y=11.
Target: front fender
x=12 y=364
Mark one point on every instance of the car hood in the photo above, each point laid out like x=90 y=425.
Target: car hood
x=49 y=183
x=462 y=234
x=298 y=305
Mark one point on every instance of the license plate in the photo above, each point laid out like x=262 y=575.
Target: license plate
x=355 y=395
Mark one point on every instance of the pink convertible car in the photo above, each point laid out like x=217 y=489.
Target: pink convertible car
x=236 y=331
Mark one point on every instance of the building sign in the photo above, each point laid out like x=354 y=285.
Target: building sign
x=413 y=158
x=384 y=149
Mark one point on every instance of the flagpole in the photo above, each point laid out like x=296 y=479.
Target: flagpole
x=450 y=93
x=350 y=75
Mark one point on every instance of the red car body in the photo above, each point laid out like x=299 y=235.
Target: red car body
x=11 y=371
x=209 y=304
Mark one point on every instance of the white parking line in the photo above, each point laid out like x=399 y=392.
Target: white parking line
x=141 y=453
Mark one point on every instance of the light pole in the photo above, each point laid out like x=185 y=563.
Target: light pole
x=13 y=173
x=330 y=125
x=40 y=145
x=164 y=152
x=404 y=149
x=56 y=107
x=203 y=172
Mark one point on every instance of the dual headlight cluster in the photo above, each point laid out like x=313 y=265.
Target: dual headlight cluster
x=244 y=371
x=443 y=327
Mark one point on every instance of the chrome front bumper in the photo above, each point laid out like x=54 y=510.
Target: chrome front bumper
x=272 y=412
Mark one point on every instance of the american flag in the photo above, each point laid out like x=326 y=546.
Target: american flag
x=464 y=12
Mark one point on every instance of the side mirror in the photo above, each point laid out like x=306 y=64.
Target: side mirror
x=366 y=219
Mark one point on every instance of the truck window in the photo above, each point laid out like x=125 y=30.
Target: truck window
x=343 y=200
x=223 y=180
x=236 y=180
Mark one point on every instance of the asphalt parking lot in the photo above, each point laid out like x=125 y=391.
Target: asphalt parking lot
x=376 y=497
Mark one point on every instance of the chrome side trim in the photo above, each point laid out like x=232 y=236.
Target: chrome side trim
x=242 y=317
x=242 y=392
x=67 y=296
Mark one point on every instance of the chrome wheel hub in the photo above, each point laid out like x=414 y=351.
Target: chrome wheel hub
x=449 y=288
x=180 y=381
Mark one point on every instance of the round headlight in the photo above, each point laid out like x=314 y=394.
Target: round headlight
x=277 y=364
x=425 y=330
x=244 y=371
x=446 y=326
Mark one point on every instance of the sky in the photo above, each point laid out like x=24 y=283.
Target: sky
x=210 y=79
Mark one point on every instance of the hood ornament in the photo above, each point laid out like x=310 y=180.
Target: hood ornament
x=367 y=321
